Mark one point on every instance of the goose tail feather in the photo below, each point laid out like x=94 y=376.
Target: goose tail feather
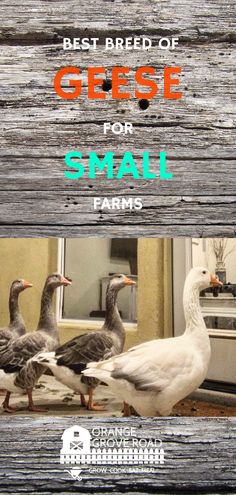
x=45 y=358
x=96 y=370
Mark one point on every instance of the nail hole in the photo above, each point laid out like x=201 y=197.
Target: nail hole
x=106 y=85
x=66 y=206
x=143 y=104
x=90 y=186
x=75 y=203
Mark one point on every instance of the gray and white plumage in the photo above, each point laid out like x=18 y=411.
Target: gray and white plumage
x=71 y=358
x=17 y=371
x=16 y=326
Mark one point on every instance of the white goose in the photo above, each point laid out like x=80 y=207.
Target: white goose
x=154 y=376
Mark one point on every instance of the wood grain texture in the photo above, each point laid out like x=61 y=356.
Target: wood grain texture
x=37 y=128
x=28 y=20
x=46 y=207
x=198 y=134
x=199 y=452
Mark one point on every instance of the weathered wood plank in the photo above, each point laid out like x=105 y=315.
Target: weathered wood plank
x=37 y=128
x=201 y=124
x=200 y=455
x=29 y=21
x=200 y=230
x=182 y=142
x=57 y=208
x=40 y=174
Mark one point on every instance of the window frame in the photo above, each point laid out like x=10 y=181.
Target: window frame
x=92 y=323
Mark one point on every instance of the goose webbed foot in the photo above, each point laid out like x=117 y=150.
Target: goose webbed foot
x=6 y=406
x=96 y=407
x=9 y=409
x=34 y=408
x=92 y=406
x=31 y=405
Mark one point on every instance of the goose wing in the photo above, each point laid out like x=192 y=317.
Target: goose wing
x=148 y=367
x=14 y=353
x=6 y=338
x=94 y=346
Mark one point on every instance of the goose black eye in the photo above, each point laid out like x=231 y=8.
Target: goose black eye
x=204 y=272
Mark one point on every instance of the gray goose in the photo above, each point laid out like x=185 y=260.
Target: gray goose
x=71 y=358
x=16 y=326
x=17 y=370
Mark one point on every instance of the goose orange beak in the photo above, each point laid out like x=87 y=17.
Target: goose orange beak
x=27 y=284
x=128 y=281
x=215 y=281
x=65 y=281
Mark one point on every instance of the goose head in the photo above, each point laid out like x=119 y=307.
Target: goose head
x=19 y=285
x=56 y=280
x=200 y=278
x=118 y=281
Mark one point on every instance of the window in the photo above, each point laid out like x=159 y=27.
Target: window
x=218 y=306
x=90 y=262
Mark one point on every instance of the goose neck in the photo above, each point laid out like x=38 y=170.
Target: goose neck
x=192 y=309
x=16 y=321
x=113 y=320
x=47 y=320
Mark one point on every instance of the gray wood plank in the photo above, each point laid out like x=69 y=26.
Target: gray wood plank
x=57 y=213
x=53 y=140
x=199 y=125
x=59 y=18
x=41 y=174
x=59 y=208
x=200 y=455
x=200 y=230
x=38 y=128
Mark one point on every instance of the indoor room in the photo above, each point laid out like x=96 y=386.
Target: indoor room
x=150 y=307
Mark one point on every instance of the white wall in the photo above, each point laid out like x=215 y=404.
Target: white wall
x=203 y=255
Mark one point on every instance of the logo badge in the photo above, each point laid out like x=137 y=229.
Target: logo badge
x=107 y=446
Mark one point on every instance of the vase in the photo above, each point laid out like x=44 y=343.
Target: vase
x=221 y=274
